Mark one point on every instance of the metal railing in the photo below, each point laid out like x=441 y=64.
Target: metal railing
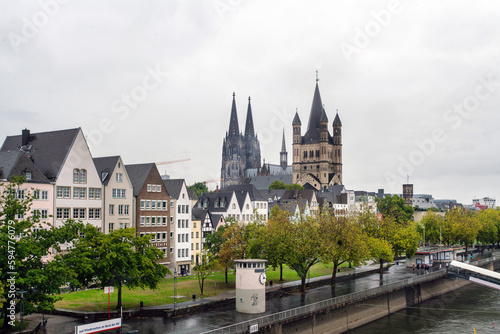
x=243 y=327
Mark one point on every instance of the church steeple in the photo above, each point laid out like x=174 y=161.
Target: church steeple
x=313 y=128
x=249 y=131
x=234 y=129
x=283 y=153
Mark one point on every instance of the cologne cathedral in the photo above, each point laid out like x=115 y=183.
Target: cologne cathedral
x=240 y=152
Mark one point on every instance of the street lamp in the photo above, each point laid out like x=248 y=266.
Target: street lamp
x=175 y=289
x=22 y=292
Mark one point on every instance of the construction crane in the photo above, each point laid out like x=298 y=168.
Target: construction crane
x=172 y=161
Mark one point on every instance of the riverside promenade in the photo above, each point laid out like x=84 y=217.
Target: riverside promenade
x=66 y=320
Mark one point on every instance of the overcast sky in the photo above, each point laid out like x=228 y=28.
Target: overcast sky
x=416 y=84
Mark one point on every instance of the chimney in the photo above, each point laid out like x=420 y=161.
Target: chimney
x=25 y=137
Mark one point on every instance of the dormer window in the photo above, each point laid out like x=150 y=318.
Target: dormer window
x=104 y=175
x=28 y=175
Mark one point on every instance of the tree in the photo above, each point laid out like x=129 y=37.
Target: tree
x=23 y=247
x=282 y=185
x=274 y=239
x=430 y=224
x=199 y=188
x=342 y=241
x=489 y=220
x=234 y=246
x=207 y=265
x=303 y=247
x=118 y=258
x=394 y=206
x=464 y=226
x=214 y=242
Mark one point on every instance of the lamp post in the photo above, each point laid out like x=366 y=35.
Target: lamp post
x=175 y=289
x=22 y=292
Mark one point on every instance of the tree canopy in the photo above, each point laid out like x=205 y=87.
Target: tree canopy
x=199 y=188
x=282 y=185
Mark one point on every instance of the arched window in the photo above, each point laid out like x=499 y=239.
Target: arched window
x=76 y=175
x=234 y=206
x=83 y=176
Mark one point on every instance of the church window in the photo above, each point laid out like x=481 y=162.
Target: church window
x=317 y=153
x=311 y=153
x=305 y=154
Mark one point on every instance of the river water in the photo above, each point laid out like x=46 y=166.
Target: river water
x=460 y=311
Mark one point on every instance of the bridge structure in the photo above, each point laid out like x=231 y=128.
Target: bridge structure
x=474 y=274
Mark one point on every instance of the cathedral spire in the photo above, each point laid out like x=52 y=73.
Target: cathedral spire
x=283 y=146
x=249 y=131
x=234 y=129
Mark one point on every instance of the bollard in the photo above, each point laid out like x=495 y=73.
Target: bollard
x=141 y=305
x=194 y=296
x=271 y=283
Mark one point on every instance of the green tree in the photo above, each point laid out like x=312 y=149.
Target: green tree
x=234 y=246
x=303 y=248
x=394 y=206
x=207 y=265
x=431 y=224
x=214 y=242
x=464 y=226
x=282 y=185
x=23 y=248
x=199 y=188
x=489 y=220
x=342 y=240
x=274 y=239
x=118 y=258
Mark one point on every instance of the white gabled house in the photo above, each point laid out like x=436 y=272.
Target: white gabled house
x=65 y=159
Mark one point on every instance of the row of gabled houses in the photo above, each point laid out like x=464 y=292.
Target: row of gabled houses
x=68 y=183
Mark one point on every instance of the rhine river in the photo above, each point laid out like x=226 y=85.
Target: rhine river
x=461 y=311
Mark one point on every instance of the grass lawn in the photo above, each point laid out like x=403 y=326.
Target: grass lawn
x=96 y=300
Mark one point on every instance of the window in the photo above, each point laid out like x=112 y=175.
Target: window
x=67 y=191
x=111 y=227
x=94 y=193
x=83 y=176
x=171 y=219
x=119 y=177
x=111 y=209
x=45 y=194
x=149 y=188
x=178 y=238
x=76 y=176
x=153 y=221
x=120 y=209
x=36 y=213
x=234 y=206
x=194 y=224
x=153 y=205
x=44 y=214
x=197 y=236
x=178 y=209
x=148 y=205
x=27 y=175
x=165 y=204
x=118 y=193
x=158 y=205
x=171 y=204
x=178 y=223
x=142 y=220
x=192 y=233
x=171 y=235
x=171 y=250
x=36 y=194
x=164 y=221
x=66 y=213
x=143 y=204
x=126 y=209
x=148 y=221
x=197 y=245
x=179 y=253
x=121 y=226
x=59 y=213
x=158 y=188
x=153 y=188
x=20 y=194
x=83 y=193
